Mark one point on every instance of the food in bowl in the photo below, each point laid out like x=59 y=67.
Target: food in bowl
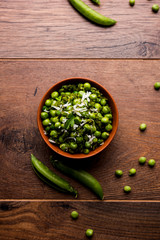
x=77 y=118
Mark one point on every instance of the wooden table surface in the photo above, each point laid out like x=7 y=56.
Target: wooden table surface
x=31 y=210
x=53 y=29
x=41 y=43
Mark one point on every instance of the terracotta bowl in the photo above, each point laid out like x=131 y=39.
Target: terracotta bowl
x=111 y=102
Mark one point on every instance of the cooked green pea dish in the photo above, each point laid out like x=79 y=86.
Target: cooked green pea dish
x=77 y=118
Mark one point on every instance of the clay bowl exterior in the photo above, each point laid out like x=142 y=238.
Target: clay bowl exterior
x=111 y=102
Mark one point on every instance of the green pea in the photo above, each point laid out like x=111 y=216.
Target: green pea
x=73 y=134
x=62 y=119
x=142 y=126
x=118 y=173
x=76 y=101
x=92 y=115
x=54 y=119
x=93 y=129
x=98 y=100
x=127 y=189
x=68 y=108
x=67 y=94
x=155 y=8
x=108 y=128
x=48 y=102
x=87 y=86
x=98 y=107
x=46 y=122
x=109 y=115
x=52 y=112
x=157 y=85
x=52 y=126
x=97 y=134
x=64 y=147
x=87 y=144
x=142 y=160
x=73 y=145
x=45 y=108
x=81 y=93
x=61 y=140
x=105 y=135
x=93 y=96
x=105 y=120
x=54 y=103
x=74 y=214
x=85 y=114
x=106 y=109
x=151 y=162
x=80 y=86
x=57 y=125
x=87 y=127
x=54 y=134
x=44 y=115
x=79 y=139
x=132 y=171
x=54 y=94
x=95 y=140
x=89 y=232
x=58 y=112
x=103 y=102
x=47 y=129
x=132 y=2
x=99 y=116
x=86 y=151
x=77 y=120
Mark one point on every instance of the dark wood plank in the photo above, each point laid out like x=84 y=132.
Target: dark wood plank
x=51 y=220
x=23 y=84
x=53 y=29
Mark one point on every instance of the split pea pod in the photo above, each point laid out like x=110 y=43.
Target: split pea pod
x=49 y=177
x=91 y=14
x=82 y=176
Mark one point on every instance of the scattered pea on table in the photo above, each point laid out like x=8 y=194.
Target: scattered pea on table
x=151 y=162
x=127 y=189
x=142 y=160
x=142 y=127
x=157 y=85
x=155 y=8
x=118 y=173
x=132 y=171
x=132 y=3
x=89 y=232
x=74 y=214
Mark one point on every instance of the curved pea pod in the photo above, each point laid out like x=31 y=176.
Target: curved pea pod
x=82 y=176
x=91 y=14
x=52 y=179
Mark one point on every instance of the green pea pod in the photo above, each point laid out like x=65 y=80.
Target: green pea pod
x=82 y=176
x=91 y=14
x=49 y=177
x=96 y=1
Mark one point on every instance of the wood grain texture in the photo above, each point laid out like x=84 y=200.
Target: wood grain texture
x=53 y=29
x=51 y=220
x=23 y=83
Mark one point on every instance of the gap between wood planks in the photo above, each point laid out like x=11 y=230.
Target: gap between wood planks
x=78 y=59
x=70 y=200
